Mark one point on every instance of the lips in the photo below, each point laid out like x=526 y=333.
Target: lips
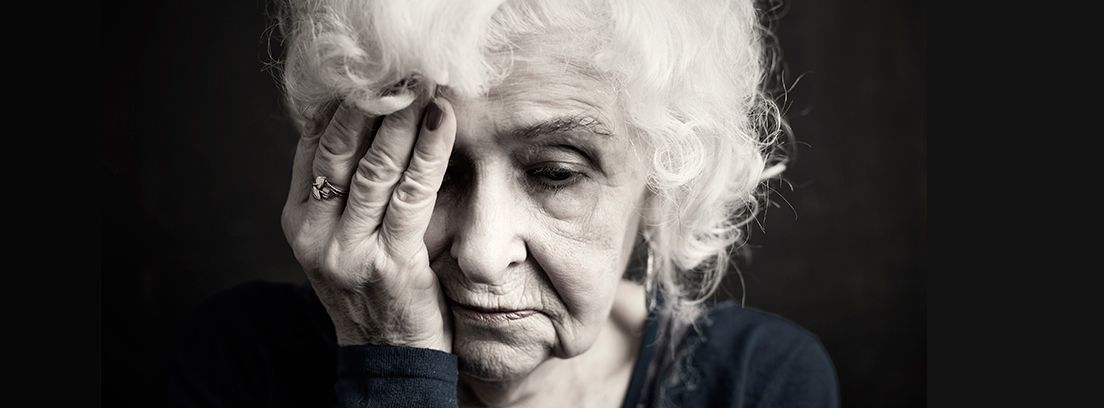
x=489 y=315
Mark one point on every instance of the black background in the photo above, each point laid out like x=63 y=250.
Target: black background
x=198 y=150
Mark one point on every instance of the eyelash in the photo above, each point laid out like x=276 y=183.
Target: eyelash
x=546 y=177
x=553 y=178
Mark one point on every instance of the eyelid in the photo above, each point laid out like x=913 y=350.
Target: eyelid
x=544 y=183
x=578 y=142
x=557 y=151
x=587 y=155
x=581 y=168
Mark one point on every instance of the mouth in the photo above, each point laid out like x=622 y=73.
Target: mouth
x=488 y=315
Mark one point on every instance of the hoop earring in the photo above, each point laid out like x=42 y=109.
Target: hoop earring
x=649 y=283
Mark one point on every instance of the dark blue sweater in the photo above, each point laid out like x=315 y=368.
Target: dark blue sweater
x=272 y=345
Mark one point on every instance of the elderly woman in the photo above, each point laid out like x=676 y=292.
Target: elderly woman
x=514 y=204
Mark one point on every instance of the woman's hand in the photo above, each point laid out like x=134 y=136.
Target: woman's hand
x=364 y=253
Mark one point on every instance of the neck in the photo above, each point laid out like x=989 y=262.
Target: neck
x=599 y=376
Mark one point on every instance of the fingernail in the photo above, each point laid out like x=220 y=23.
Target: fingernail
x=434 y=116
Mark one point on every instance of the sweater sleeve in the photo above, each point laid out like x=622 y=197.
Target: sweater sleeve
x=386 y=376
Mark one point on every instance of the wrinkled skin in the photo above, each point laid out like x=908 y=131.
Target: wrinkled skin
x=500 y=235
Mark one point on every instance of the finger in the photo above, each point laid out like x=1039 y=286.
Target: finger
x=292 y=215
x=339 y=148
x=411 y=205
x=304 y=158
x=378 y=172
x=299 y=190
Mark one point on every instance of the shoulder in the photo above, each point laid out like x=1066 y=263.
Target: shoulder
x=735 y=330
x=751 y=357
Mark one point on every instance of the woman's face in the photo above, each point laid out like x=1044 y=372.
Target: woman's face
x=536 y=219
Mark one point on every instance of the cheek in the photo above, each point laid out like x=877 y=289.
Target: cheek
x=571 y=207
x=578 y=239
x=583 y=245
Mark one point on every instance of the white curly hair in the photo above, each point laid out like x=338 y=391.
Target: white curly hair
x=691 y=75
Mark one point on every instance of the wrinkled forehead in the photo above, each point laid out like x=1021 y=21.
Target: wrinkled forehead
x=544 y=84
x=553 y=57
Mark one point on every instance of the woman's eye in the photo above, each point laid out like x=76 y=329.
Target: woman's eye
x=553 y=177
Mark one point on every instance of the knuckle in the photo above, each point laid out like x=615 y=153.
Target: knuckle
x=302 y=243
x=428 y=156
x=376 y=267
x=384 y=158
x=332 y=147
x=345 y=120
x=399 y=121
x=363 y=216
x=344 y=125
x=375 y=169
x=308 y=142
x=413 y=189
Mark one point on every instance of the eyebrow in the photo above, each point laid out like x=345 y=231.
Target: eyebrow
x=563 y=124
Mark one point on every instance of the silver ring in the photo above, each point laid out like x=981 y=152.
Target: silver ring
x=322 y=189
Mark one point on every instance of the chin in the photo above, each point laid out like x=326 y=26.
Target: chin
x=491 y=360
x=500 y=352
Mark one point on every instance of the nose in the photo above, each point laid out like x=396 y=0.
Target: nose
x=487 y=240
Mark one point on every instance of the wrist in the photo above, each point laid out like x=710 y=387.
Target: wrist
x=348 y=338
